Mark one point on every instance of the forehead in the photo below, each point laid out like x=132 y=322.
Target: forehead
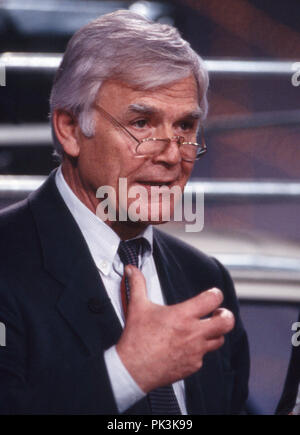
x=178 y=96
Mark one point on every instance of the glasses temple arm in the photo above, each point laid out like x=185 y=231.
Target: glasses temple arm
x=116 y=122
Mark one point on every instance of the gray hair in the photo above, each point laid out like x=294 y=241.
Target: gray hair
x=126 y=46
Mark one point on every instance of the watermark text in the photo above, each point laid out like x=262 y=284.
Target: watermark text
x=296 y=75
x=296 y=337
x=2 y=334
x=151 y=203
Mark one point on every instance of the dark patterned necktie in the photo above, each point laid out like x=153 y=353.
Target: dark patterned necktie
x=162 y=400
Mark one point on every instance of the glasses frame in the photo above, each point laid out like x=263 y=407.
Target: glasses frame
x=180 y=140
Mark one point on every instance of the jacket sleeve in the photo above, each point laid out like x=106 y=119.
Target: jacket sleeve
x=239 y=360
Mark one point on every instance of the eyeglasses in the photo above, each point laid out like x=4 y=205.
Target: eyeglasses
x=149 y=147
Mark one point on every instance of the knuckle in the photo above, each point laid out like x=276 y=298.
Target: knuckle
x=182 y=310
x=179 y=324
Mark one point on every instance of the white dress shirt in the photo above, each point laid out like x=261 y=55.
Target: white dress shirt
x=103 y=244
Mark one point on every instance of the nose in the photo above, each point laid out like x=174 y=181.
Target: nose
x=170 y=155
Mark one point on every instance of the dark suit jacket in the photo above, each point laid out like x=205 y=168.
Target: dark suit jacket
x=290 y=390
x=59 y=319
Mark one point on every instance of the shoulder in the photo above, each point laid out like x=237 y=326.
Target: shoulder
x=18 y=228
x=15 y=221
x=19 y=245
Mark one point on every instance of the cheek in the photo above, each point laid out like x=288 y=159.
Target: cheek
x=97 y=166
x=117 y=156
x=186 y=170
x=115 y=166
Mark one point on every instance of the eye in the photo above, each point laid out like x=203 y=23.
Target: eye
x=140 y=123
x=186 y=125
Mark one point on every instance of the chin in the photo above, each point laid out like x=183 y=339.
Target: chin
x=154 y=215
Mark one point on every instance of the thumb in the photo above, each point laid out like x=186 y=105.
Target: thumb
x=137 y=284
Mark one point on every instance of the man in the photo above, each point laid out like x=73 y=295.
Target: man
x=126 y=104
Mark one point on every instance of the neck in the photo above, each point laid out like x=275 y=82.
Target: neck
x=125 y=230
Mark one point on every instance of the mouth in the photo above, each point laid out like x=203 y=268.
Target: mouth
x=158 y=183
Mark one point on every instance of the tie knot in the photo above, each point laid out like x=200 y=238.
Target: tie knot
x=130 y=250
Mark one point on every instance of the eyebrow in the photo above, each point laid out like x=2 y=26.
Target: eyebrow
x=145 y=109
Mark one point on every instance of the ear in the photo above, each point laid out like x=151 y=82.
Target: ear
x=66 y=130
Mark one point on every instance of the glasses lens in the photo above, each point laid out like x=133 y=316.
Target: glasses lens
x=151 y=147
x=189 y=151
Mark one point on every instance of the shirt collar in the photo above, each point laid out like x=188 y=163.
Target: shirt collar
x=102 y=241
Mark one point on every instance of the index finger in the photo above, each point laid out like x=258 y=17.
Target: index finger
x=203 y=304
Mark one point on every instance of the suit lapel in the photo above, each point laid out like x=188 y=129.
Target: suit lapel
x=88 y=310
x=176 y=289
x=170 y=273
x=83 y=302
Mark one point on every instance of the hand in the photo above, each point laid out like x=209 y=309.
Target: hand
x=162 y=344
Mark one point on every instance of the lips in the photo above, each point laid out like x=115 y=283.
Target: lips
x=155 y=182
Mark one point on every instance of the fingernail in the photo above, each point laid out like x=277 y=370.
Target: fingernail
x=216 y=291
x=226 y=314
x=128 y=271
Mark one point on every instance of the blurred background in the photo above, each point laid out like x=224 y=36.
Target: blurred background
x=250 y=173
